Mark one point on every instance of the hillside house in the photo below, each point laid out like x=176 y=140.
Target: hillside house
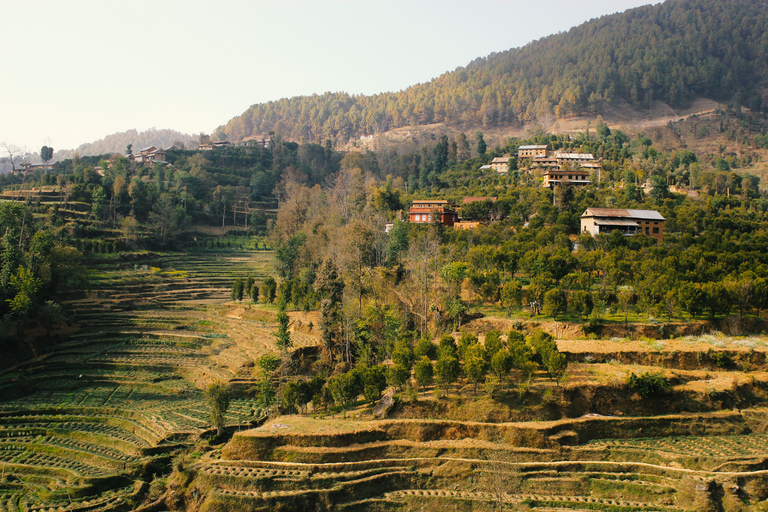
x=149 y=156
x=561 y=167
x=629 y=222
x=213 y=145
x=425 y=211
x=576 y=177
x=500 y=164
x=467 y=224
x=26 y=168
x=259 y=141
x=532 y=151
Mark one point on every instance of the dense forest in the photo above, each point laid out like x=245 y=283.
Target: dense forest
x=673 y=52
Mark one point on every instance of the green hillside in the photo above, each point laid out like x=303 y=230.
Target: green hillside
x=675 y=51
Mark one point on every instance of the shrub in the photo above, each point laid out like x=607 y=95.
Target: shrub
x=447 y=367
x=425 y=347
x=372 y=381
x=721 y=359
x=648 y=384
x=398 y=375
x=403 y=354
x=423 y=371
x=448 y=344
x=344 y=388
x=493 y=343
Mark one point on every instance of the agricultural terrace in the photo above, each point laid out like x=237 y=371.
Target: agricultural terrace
x=587 y=442
x=86 y=426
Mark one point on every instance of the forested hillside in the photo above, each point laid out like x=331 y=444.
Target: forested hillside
x=674 y=52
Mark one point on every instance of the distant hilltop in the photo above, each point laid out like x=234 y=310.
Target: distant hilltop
x=118 y=142
x=676 y=52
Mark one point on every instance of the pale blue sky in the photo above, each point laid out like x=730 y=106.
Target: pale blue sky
x=76 y=71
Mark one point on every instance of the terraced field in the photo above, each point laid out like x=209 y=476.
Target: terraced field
x=431 y=464
x=115 y=403
x=118 y=405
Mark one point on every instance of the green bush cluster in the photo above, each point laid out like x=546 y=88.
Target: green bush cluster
x=648 y=384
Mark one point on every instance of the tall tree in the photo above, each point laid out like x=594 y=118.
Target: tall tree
x=46 y=154
x=217 y=396
x=330 y=288
x=481 y=145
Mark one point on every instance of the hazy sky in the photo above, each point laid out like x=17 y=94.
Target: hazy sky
x=75 y=71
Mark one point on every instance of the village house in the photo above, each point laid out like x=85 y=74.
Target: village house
x=425 y=211
x=149 y=156
x=628 y=222
x=554 y=176
x=500 y=164
x=560 y=168
x=26 y=168
x=467 y=224
x=213 y=145
x=531 y=151
x=258 y=141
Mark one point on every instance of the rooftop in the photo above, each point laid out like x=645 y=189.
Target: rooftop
x=622 y=213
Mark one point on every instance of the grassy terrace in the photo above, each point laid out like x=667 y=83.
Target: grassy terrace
x=119 y=404
x=110 y=406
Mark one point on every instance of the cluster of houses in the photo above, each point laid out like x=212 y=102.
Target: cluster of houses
x=594 y=221
x=152 y=155
x=149 y=156
x=557 y=167
x=258 y=141
x=27 y=168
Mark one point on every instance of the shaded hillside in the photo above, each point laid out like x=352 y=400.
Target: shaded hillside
x=117 y=142
x=674 y=52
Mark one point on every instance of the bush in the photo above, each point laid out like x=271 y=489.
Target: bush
x=398 y=375
x=493 y=343
x=721 y=359
x=425 y=347
x=423 y=371
x=448 y=343
x=648 y=383
x=372 y=381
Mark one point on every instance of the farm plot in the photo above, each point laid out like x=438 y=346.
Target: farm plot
x=426 y=464
x=117 y=395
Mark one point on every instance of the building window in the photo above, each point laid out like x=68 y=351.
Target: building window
x=647 y=231
x=655 y=231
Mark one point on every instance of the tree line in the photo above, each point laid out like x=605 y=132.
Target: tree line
x=674 y=51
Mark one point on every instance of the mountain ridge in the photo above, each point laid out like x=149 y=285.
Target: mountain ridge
x=676 y=52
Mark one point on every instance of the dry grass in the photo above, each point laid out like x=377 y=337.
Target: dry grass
x=695 y=344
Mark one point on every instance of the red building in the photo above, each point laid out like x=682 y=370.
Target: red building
x=432 y=210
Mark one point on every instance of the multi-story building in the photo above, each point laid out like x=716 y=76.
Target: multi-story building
x=425 y=211
x=532 y=151
x=629 y=222
x=149 y=156
x=554 y=176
